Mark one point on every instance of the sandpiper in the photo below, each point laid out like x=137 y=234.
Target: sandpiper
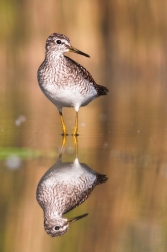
x=62 y=188
x=65 y=82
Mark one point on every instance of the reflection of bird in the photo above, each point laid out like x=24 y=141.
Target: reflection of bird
x=63 y=187
x=64 y=81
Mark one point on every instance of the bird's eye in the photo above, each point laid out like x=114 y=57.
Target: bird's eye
x=58 y=41
x=57 y=228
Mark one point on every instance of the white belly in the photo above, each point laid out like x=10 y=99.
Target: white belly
x=69 y=96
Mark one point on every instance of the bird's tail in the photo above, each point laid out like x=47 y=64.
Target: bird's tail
x=101 y=90
x=101 y=178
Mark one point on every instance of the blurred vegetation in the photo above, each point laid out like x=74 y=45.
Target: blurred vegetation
x=25 y=153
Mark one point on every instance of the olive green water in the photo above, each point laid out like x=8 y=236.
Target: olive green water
x=122 y=135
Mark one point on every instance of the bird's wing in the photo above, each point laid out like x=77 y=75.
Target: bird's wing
x=100 y=179
x=101 y=90
x=80 y=200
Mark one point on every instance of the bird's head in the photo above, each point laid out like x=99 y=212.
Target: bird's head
x=58 y=226
x=60 y=44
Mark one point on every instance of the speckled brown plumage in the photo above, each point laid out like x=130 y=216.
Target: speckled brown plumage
x=62 y=188
x=65 y=82
x=81 y=71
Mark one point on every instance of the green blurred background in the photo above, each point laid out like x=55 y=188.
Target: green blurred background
x=123 y=135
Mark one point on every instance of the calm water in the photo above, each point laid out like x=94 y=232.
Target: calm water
x=122 y=135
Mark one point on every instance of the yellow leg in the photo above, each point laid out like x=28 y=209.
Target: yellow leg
x=63 y=124
x=62 y=145
x=75 y=130
x=75 y=140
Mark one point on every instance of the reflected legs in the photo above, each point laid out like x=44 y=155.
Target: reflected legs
x=75 y=141
x=63 y=143
x=75 y=130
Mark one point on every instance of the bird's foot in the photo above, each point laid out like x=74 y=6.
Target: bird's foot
x=64 y=134
x=75 y=133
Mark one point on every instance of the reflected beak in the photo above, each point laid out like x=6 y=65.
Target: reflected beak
x=77 y=218
x=74 y=50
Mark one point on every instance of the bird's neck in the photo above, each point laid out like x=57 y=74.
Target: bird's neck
x=53 y=57
x=51 y=212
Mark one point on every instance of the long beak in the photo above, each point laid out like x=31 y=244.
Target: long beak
x=77 y=218
x=72 y=49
